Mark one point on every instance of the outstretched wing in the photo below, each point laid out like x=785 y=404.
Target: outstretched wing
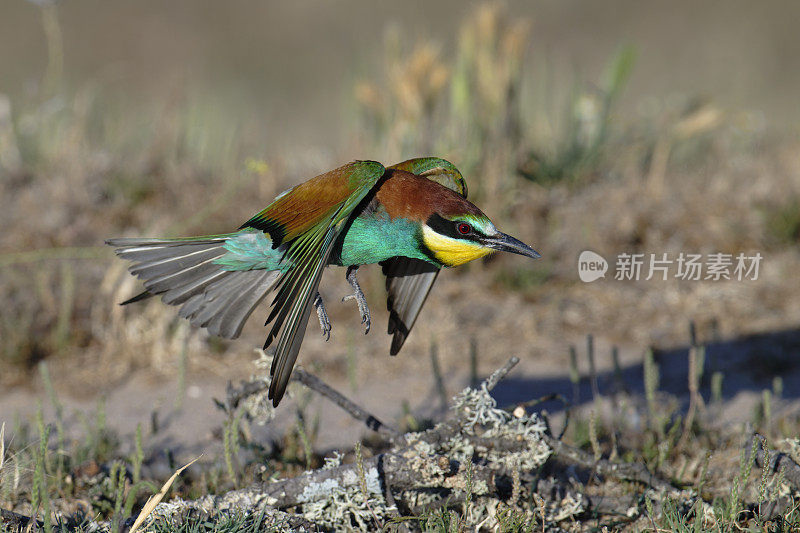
x=307 y=219
x=187 y=272
x=408 y=281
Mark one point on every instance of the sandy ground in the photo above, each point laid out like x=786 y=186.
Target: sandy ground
x=538 y=331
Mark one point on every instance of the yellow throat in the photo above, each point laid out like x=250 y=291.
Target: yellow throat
x=452 y=252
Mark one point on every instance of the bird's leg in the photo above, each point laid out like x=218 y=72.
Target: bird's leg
x=324 y=321
x=358 y=296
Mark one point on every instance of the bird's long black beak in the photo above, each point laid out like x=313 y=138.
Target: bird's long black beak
x=507 y=243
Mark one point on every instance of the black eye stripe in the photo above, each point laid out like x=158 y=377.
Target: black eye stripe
x=449 y=228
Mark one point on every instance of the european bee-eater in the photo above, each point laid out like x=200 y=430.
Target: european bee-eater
x=413 y=218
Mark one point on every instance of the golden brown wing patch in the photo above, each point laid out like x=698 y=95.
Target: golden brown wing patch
x=304 y=205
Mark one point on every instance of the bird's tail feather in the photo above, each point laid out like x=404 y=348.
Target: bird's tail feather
x=184 y=272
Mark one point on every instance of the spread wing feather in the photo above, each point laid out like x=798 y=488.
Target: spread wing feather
x=408 y=282
x=308 y=219
x=296 y=310
x=184 y=272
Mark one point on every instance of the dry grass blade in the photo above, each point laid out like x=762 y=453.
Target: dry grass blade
x=154 y=500
x=2 y=445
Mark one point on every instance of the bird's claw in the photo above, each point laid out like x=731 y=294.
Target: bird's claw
x=358 y=296
x=324 y=321
x=363 y=309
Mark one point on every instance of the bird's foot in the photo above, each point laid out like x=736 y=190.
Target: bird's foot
x=358 y=296
x=324 y=321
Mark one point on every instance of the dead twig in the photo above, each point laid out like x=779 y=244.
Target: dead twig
x=402 y=470
x=11 y=521
x=498 y=375
x=236 y=395
x=447 y=429
x=356 y=411
x=418 y=462
x=546 y=398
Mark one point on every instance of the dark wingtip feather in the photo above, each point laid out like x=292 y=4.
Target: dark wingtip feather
x=399 y=331
x=397 y=342
x=138 y=298
x=276 y=393
x=274 y=359
x=122 y=241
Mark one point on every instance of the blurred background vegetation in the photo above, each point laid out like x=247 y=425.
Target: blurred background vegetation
x=618 y=126
x=142 y=118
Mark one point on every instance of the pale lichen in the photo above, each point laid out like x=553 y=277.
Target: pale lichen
x=334 y=461
x=485 y=420
x=344 y=505
x=570 y=505
x=792 y=447
x=177 y=512
x=352 y=502
x=257 y=407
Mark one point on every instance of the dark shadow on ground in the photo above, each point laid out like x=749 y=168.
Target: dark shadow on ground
x=747 y=363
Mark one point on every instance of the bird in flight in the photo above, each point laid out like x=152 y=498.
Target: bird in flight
x=412 y=218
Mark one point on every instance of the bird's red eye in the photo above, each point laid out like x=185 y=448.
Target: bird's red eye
x=464 y=228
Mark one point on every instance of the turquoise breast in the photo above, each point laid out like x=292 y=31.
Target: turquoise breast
x=375 y=237
x=371 y=238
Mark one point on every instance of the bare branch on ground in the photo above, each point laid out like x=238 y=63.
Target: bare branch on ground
x=235 y=395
